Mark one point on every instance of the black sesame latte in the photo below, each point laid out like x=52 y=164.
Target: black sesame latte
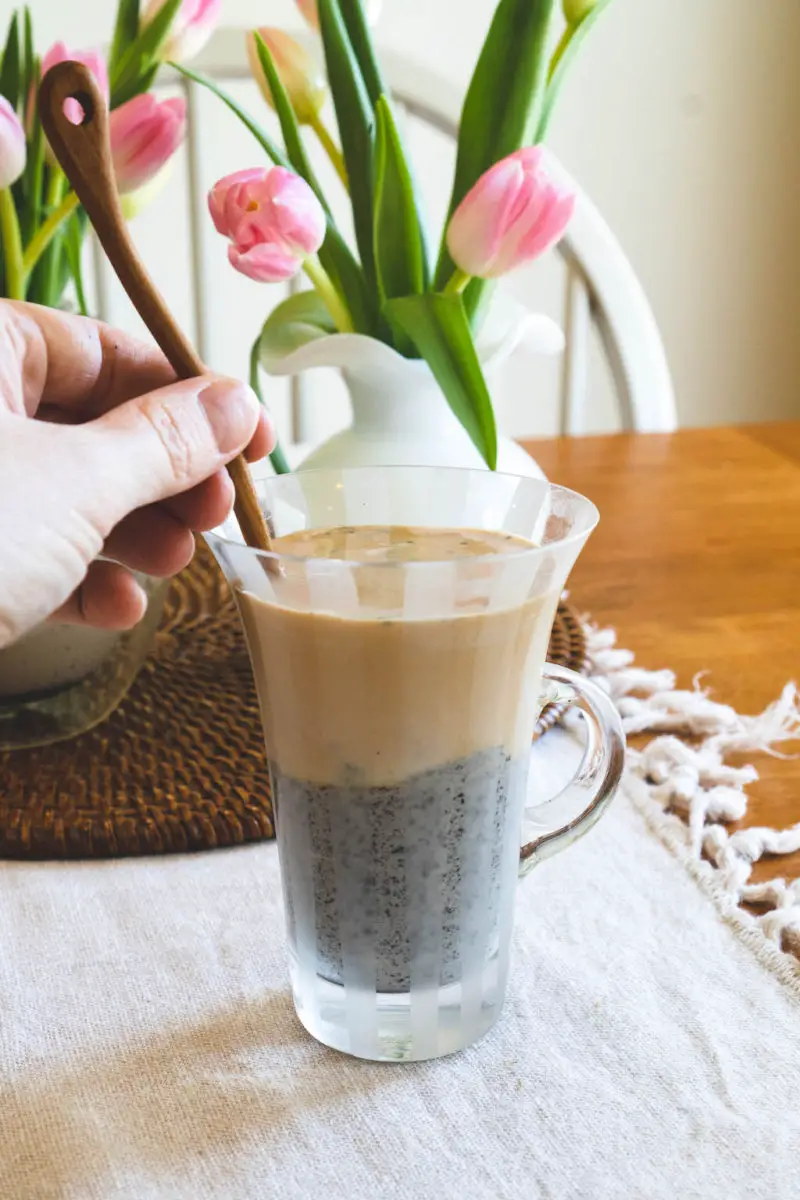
x=398 y=707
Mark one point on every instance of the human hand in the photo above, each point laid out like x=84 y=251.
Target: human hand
x=102 y=451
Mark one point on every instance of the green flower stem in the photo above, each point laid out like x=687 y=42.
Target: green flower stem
x=279 y=461
x=560 y=50
x=57 y=188
x=12 y=247
x=329 y=146
x=330 y=297
x=277 y=457
x=456 y=283
x=46 y=232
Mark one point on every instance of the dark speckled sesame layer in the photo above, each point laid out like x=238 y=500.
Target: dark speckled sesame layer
x=389 y=887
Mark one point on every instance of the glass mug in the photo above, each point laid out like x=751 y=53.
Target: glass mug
x=398 y=701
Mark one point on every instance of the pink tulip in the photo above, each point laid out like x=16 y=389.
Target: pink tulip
x=93 y=59
x=144 y=134
x=297 y=72
x=132 y=203
x=308 y=8
x=273 y=219
x=191 y=28
x=513 y=214
x=12 y=145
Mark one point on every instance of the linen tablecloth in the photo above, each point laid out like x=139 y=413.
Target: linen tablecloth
x=148 y=1046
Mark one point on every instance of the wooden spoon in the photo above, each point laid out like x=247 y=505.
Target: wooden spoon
x=84 y=152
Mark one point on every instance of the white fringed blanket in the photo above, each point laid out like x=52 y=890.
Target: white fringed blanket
x=148 y=1048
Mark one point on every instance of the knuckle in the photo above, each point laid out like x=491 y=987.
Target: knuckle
x=179 y=439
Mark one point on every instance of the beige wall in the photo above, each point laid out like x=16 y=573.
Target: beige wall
x=681 y=123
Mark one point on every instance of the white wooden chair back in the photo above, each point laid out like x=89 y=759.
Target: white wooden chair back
x=601 y=288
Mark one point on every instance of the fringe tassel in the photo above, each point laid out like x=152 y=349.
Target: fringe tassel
x=693 y=780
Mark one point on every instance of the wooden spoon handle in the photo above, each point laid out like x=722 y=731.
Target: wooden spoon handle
x=84 y=152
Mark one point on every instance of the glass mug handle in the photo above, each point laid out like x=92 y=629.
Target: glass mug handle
x=557 y=823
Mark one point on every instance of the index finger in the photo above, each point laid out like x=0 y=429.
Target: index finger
x=69 y=367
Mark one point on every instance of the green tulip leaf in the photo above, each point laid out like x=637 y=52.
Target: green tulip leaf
x=292 y=137
x=502 y=108
x=352 y=288
x=361 y=41
x=354 y=115
x=399 y=250
x=10 y=71
x=141 y=55
x=571 y=50
x=31 y=211
x=439 y=328
x=295 y=322
x=29 y=69
x=126 y=31
x=271 y=147
x=355 y=23
x=73 y=243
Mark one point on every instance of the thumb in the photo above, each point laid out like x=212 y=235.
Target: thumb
x=169 y=440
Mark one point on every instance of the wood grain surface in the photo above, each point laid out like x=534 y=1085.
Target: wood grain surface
x=696 y=563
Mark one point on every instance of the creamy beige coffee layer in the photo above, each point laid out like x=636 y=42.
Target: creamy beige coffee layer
x=371 y=700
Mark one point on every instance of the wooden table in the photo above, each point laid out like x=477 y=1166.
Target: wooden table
x=696 y=563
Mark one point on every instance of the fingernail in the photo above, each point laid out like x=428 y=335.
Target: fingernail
x=232 y=411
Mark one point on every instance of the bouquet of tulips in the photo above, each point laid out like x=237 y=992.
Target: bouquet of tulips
x=41 y=223
x=505 y=209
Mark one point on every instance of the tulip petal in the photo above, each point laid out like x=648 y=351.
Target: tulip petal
x=13 y=150
x=543 y=235
x=218 y=206
x=297 y=71
x=59 y=52
x=480 y=222
x=264 y=263
x=512 y=214
x=144 y=134
x=273 y=219
x=191 y=28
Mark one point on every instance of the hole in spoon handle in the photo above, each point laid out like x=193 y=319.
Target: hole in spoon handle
x=83 y=149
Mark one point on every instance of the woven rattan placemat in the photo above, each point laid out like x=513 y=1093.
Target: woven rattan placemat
x=180 y=765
